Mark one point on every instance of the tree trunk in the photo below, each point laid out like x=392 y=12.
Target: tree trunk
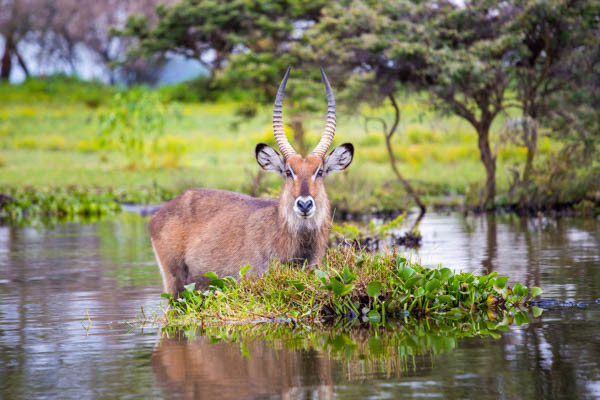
x=531 y=136
x=298 y=131
x=6 y=63
x=388 y=143
x=489 y=162
x=22 y=63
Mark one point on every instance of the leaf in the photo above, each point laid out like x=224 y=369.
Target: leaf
x=348 y=276
x=338 y=288
x=446 y=274
x=537 y=311
x=405 y=272
x=446 y=299
x=410 y=282
x=297 y=284
x=167 y=296
x=536 y=291
x=432 y=285
x=347 y=289
x=375 y=345
x=520 y=290
x=373 y=289
x=244 y=269
x=322 y=275
x=211 y=275
x=374 y=316
x=501 y=281
x=521 y=318
x=190 y=287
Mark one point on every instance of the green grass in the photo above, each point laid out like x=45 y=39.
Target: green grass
x=351 y=283
x=49 y=136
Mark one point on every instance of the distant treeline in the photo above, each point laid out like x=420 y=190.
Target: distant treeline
x=535 y=61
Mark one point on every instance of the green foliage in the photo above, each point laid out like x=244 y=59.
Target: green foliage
x=373 y=287
x=373 y=230
x=29 y=205
x=135 y=119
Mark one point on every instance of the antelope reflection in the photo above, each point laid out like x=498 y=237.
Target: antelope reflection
x=197 y=369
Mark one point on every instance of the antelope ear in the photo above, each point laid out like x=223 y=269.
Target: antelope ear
x=269 y=159
x=339 y=158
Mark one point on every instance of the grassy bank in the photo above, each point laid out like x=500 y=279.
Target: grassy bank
x=355 y=285
x=50 y=136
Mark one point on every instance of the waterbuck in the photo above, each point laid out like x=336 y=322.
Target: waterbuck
x=205 y=230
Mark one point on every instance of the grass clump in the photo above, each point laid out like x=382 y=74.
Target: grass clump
x=352 y=284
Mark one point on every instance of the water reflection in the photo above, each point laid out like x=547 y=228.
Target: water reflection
x=49 y=277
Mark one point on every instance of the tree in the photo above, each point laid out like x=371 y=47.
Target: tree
x=467 y=69
x=17 y=19
x=551 y=57
x=243 y=44
x=368 y=46
x=60 y=29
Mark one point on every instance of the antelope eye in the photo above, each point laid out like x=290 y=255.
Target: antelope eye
x=320 y=172
x=288 y=173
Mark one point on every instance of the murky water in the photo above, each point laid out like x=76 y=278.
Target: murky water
x=51 y=278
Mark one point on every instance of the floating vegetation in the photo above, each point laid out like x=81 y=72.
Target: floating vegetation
x=22 y=206
x=354 y=285
x=375 y=236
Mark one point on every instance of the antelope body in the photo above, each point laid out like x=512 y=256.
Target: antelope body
x=205 y=230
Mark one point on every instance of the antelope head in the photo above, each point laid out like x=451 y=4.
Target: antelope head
x=303 y=200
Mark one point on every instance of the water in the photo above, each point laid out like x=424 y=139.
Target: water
x=51 y=277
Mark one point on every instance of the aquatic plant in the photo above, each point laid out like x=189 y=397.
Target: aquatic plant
x=353 y=284
x=373 y=236
x=28 y=205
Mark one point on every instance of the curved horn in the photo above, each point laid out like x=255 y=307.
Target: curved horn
x=284 y=146
x=327 y=137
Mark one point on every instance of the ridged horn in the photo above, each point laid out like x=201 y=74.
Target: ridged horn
x=284 y=146
x=327 y=136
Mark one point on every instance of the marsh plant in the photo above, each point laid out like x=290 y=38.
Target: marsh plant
x=375 y=236
x=352 y=284
x=134 y=120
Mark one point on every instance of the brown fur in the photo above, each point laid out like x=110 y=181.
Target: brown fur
x=205 y=230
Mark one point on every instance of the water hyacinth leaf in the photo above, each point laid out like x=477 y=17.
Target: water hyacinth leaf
x=521 y=318
x=456 y=313
x=536 y=311
x=337 y=287
x=536 y=291
x=374 y=316
x=405 y=271
x=167 y=296
x=446 y=274
x=375 y=345
x=373 y=289
x=432 y=285
x=520 y=290
x=491 y=301
x=322 y=275
x=348 y=276
x=501 y=281
x=347 y=289
x=412 y=281
x=190 y=287
x=446 y=299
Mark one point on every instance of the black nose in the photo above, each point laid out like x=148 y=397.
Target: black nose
x=304 y=206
